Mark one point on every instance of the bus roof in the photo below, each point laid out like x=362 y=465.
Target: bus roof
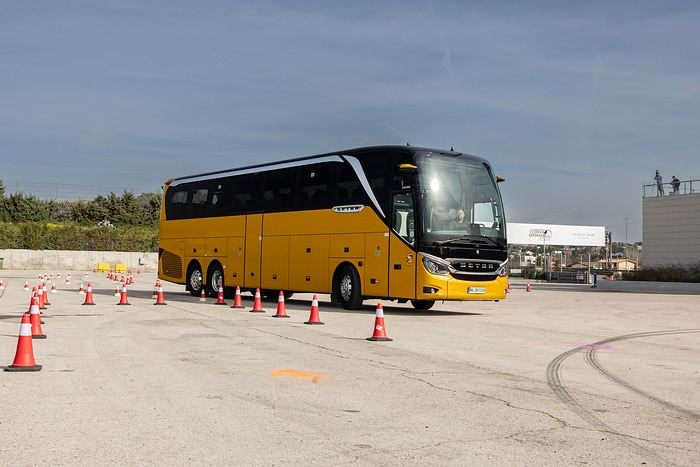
x=319 y=157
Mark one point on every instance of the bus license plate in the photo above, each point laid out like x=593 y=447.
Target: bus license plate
x=476 y=289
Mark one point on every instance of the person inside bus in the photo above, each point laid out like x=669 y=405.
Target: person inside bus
x=460 y=223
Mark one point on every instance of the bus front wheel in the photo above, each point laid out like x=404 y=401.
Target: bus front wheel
x=349 y=288
x=194 y=280
x=422 y=304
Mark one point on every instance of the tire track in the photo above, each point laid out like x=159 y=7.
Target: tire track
x=592 y=360
x=554 y=380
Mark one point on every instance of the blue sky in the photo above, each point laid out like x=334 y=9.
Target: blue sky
x=575 y=103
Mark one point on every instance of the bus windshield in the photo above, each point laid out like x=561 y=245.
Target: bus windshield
x=460 y=200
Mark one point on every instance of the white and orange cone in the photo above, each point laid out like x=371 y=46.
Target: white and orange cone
x=220 y=296
x=124 y=299
x=237 y=301
x=24 y=357
x=379 y=328
x=257 y=303
x=160 y=299
x=281 y=307
x=88 y=295
x=313 y=316
x=35 y=320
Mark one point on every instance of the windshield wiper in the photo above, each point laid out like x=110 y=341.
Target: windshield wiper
x=469 y=238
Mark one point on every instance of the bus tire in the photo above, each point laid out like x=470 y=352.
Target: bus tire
x=214 y=277
x=422 y=304
x=348 y=284
x=195 y=280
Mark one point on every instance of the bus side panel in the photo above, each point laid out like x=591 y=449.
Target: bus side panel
x=348 y=246
x=195 y=249
x=253 y=249
x=402 y=270
x=376 y=273
x=216 y=248
x=308 y=266
x=235 y=265
x=275 y=263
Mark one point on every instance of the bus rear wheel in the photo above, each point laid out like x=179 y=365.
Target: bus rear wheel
x=194 y=280
x=349 y=288
x=422 y=304
x=216 y=277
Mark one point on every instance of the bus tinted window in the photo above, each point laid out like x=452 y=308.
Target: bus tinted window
x=278 y=190
x=245 y=197
x=314 y=186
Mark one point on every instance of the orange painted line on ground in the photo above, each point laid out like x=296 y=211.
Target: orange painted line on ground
x=314 y=376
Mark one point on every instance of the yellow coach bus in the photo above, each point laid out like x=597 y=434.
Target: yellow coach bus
x=391 y=222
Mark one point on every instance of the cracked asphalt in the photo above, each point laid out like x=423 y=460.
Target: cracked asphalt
x=555 y=376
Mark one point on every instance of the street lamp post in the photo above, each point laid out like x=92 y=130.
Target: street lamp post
x=627 y=264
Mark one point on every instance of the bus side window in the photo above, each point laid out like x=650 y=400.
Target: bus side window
x=176 y=203
x=402 y=218
x=313 y=187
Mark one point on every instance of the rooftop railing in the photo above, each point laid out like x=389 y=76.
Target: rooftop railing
x=685 y=187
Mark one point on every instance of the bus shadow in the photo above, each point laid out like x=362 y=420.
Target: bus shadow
x=271 y=304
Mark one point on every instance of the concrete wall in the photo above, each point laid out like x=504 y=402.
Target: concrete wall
x=66 y=261
x=671 y=229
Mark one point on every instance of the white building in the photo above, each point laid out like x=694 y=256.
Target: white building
x=671 y=224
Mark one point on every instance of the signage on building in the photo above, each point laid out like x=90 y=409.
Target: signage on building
x=553 y=234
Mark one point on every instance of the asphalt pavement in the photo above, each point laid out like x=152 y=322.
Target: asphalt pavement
x=553 y=376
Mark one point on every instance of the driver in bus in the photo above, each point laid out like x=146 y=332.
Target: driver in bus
x=459 y=223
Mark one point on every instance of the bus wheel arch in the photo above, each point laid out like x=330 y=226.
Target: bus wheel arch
x=215 y=276
x=346 y=287
x=195 y=279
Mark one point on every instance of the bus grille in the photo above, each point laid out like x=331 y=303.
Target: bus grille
x=171 y=264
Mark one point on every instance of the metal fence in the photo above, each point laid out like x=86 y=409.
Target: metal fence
x=685 y=187
x=68 y=192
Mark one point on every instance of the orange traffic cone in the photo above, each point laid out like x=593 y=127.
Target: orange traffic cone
x=46 y=294
x=257 y=303
x=24 y=357
x=81 y=291
x=313 y=317
x=379 y=328
x=508 y=287
x=124 y=300
x=53 y=288
x=527 y=289
x=237 y=302
x=155 y=288
x=220 y=296
x=160 y=300
x=88 y=295
x=2 y=284
x=26 y=285
x=40 y=295
x=35 y=320
x=203 y=296
x=281 y=308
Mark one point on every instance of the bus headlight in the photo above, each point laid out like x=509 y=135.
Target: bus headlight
x=435 y=265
